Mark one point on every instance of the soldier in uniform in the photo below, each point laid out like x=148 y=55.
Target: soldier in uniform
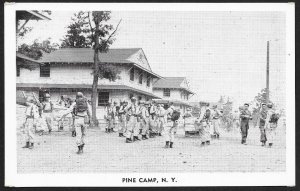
x=245 y=117
x=122 y=117
x=31 y=117
x=205 y=128
x=236 y=120
x=216 y=114
x=161 y=113
x=152 y=119
x=132 y=119
x=138 y=116
x=47 y=107
x=116 y=120
x=81 y=111
x=170 y=126
x=109 y=118
x=262 y=121
x=145 y=120
x=271 y=124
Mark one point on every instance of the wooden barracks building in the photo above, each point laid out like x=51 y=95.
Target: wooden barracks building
x=69 y=70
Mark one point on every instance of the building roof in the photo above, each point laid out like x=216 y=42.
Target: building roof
x=171 y=82
x=86 y=55
x=32 y=15
x=85 y=86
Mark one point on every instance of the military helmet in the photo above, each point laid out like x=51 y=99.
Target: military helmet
x=47 y=95
x=79 y=94
x=133 y=98
x=215 y=106
x=270 y=105
x=30 y=99
x=189 y=109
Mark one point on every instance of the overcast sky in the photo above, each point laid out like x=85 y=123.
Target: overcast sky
x=220 y=53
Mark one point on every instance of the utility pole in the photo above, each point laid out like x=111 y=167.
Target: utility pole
x=268 y=89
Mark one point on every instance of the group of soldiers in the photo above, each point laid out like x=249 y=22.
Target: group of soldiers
x=142 y=119
x=139 y=119
x=267 y=122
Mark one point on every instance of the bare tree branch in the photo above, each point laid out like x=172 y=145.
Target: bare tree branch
x=111 y=35
x=92 y=30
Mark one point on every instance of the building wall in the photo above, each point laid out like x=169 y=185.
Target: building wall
x=81 y=74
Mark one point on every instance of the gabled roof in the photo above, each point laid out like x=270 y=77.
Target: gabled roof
x=32 y=15
x=171 y=82
x=86 y=55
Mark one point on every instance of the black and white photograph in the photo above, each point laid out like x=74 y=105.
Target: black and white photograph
x=149 y=94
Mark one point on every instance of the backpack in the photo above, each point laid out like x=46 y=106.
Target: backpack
x=81 y=105
x=274 y=118
x=175 y=115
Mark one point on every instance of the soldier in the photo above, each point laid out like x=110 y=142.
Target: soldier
x=205 y=128
x=271 y=124
x=262 y=121
x=152 y=119
x=145 y=120
x=31 y=116
x=81 y=111
x=116 y=109
x=47 y=107
x=109 y=118
x=161 y=113
x=245 y=117
x=122 y=116
x=236 y=120
x=170 y=126
x=132 y=119
x=216 y=114
x=137 y=126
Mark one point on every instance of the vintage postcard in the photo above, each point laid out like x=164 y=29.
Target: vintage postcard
x=149 y=94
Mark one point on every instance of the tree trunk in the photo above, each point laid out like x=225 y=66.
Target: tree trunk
x=95 y=78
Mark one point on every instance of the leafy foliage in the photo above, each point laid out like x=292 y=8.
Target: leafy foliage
x=36 y=50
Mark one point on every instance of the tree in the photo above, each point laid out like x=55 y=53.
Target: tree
x=35 y=51
x=91 y=29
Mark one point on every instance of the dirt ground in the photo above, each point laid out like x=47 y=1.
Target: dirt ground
x=56 y=153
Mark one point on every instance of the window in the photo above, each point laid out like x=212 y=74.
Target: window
x=140 y=98
x=148 y=80
x=141 y=78
x=166 y=92
x=45 y=70
x=103 y=98
x=130 y=96
x=132 y=74
x=18 y=70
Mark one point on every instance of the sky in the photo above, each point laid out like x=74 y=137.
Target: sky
x=220 y=53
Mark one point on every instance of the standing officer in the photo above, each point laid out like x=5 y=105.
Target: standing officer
x=216 y=114
x=262 y=120
x=47 y=107
x=81 y=110
x=245 y=117
x=271 y=124
x=205 y=129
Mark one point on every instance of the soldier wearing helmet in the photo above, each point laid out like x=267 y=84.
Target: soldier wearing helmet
x=81 y=111
x=216 y=115
x=145 y=120
x=122 y=117
x=132 y=111
x=47 y=108
x=271 y=124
